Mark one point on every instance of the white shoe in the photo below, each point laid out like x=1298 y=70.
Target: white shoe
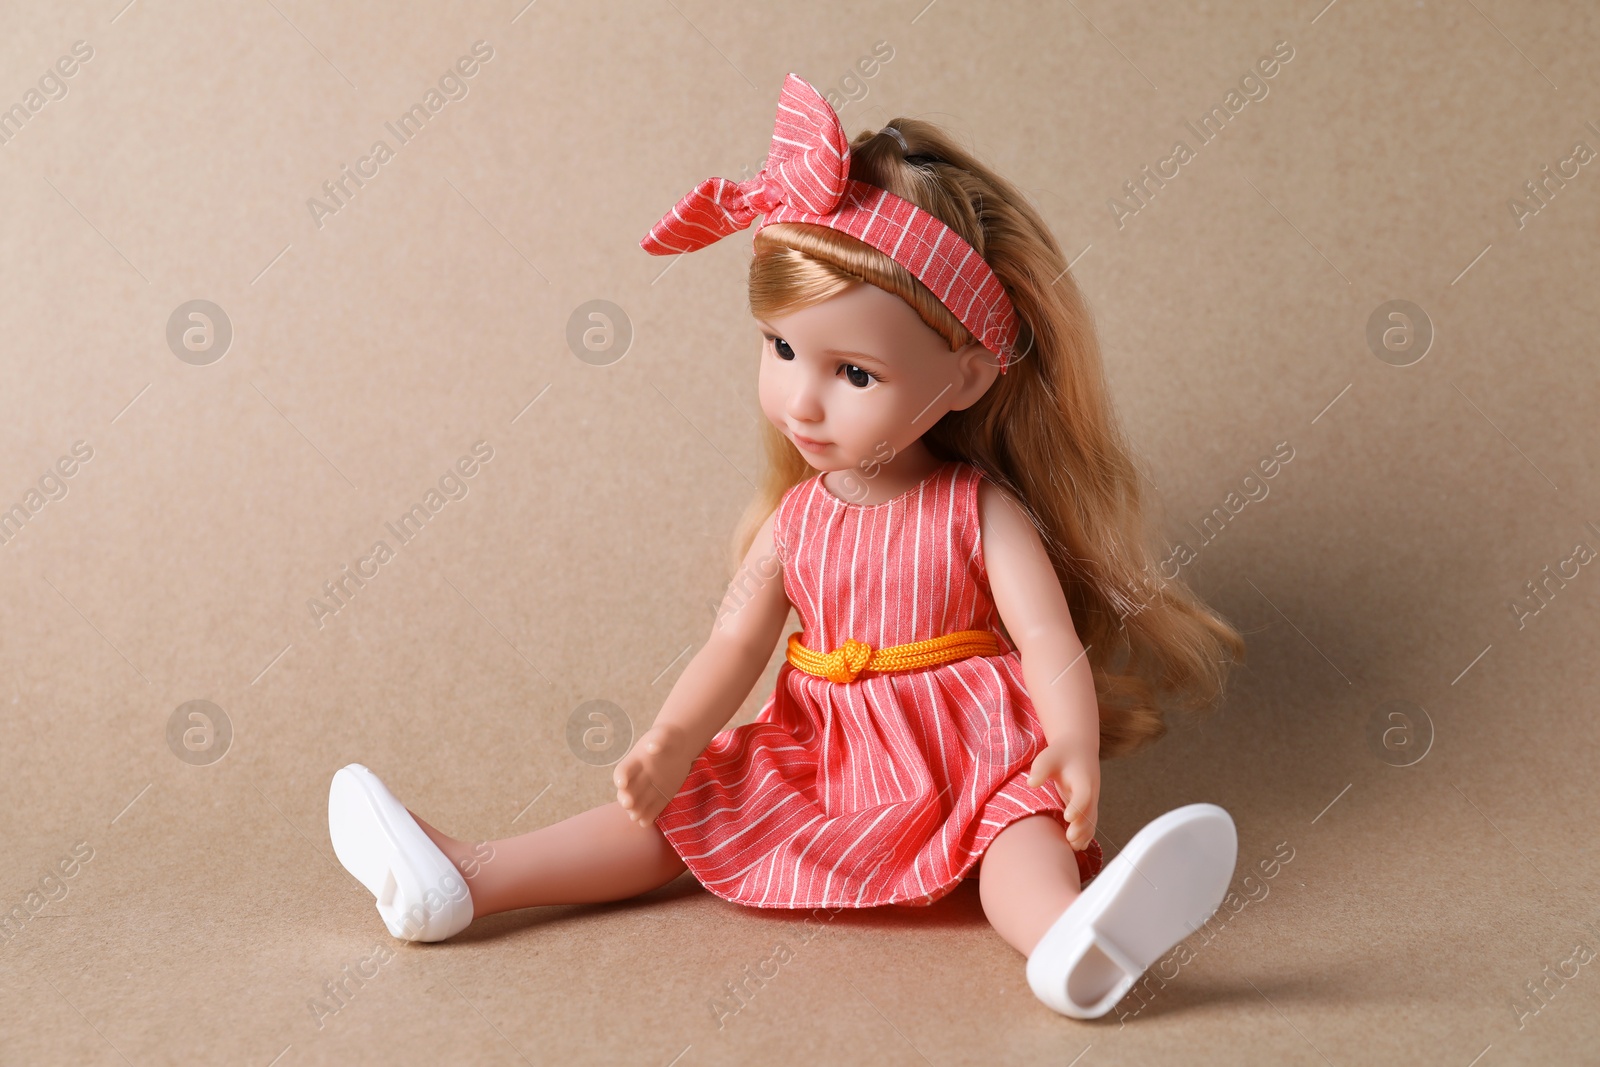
x=421 y=896
x=1151 y=895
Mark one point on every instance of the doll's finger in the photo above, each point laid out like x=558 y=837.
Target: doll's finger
x=1072 y=787
x=1066 y=801
x=1073 y=808
x=1076 y=837
x=1089 y=801
x=1082 y=830
x=1040 y=771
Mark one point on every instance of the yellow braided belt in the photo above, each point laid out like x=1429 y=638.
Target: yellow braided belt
x=852 y=657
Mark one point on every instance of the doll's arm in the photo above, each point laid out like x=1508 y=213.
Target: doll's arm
x=712 y=686
x=1028 y=596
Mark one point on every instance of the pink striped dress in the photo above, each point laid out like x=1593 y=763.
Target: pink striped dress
x=886 y=789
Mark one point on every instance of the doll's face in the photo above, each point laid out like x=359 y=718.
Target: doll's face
x=859 y=377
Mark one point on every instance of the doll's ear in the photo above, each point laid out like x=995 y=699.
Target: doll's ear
x=976 y=370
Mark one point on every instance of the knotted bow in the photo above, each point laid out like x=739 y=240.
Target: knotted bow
x=807 y=168
x=806 y=179
x=845 y=662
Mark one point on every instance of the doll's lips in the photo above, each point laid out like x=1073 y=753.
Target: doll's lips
x=807 y=443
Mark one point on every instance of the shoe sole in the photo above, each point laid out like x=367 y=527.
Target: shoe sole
x=1158 y=890
x=419 y=893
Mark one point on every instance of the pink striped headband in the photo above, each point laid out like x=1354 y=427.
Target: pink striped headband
x=806 y=178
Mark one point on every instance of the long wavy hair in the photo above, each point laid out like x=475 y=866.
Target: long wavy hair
x=1045 y=430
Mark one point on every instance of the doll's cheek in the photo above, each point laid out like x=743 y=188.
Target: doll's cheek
x=769 y=395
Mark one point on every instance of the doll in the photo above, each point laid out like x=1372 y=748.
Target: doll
x=951 y=510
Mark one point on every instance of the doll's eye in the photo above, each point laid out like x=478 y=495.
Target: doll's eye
x=782 y=348
x=858 y=377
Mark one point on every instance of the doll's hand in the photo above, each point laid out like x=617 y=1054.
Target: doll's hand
x=649 y=776
x=1077 y=776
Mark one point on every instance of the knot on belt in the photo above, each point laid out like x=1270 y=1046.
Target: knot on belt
x=851 y=657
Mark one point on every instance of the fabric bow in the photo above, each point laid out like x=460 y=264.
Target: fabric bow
x=807 y=167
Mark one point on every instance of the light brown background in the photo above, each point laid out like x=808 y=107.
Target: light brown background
x=584 y=563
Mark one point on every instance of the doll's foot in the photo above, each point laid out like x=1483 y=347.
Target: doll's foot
x=420 y=894
x=1153 y=894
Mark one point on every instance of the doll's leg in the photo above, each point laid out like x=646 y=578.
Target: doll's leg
x=1026 y=879
x=598 y=855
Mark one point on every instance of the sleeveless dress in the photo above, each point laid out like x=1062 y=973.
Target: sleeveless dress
x=886 y=789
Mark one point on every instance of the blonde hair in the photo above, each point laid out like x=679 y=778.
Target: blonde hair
x=1045 y=430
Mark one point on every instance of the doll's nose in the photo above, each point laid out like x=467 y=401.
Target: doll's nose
x=805 y=402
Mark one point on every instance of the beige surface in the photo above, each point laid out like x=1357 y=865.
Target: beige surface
x=370 y=353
